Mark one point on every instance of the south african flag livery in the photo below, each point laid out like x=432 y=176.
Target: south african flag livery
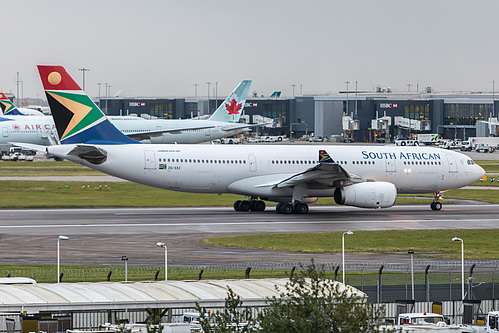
x=8 y=108
x=324 y=157
x=77 y=118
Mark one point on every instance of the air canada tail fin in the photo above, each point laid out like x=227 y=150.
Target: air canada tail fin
x=230 y=110
x=76 y=117
x=8 y=108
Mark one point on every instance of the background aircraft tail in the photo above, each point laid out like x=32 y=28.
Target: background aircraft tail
x=76 y=117
x=8 y=108
x=230 y=110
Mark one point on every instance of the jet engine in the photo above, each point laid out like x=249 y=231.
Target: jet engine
x=367 y=195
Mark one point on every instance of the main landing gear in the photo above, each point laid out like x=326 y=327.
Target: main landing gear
x=436 y=205
x=247 y=205
x=289 y=208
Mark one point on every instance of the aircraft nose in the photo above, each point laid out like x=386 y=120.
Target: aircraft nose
x=480 y=172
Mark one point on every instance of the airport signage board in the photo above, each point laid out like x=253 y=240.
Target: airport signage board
x=388 y=105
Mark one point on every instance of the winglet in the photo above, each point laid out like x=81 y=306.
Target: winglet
x=8 y=108
x=324 y=157
x=230 y=110
x=76 y=117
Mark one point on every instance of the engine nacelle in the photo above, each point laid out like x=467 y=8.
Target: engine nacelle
x=367 y=195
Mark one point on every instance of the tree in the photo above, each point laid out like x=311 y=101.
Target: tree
x=153 y=320
x=310 y=302
x=233 y=318
x=313 y=303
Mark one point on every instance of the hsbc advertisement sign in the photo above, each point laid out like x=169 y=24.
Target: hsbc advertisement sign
x=136 y=104
x=388 y=105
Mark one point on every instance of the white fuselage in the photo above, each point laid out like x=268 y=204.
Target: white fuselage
x=255 y=169
x=29 y=129
x=41 y=129
x=129 y=125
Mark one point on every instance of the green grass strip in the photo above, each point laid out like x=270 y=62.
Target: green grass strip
x=479 y=244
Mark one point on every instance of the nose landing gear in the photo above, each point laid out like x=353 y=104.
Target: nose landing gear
x=436 y=205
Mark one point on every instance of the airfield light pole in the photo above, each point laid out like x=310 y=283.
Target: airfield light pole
x=346 y=113
x=208 y=83
x=59 y=257
x=411 y=252
x=216 y=95
x=161 y=244
x=343 y=251
x=293 y=85
x=493 y=104
x=83 y=70
x=196 y=89
x=356 y=94
x=125 y=259
x=99 y=84
x=22 y=93
x=455 y=239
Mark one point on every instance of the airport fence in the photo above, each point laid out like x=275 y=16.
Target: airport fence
x=383 y=282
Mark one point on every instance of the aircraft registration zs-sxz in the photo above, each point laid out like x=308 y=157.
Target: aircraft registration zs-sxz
x=293 y=176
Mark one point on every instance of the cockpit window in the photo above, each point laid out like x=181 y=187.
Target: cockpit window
x=471 y=162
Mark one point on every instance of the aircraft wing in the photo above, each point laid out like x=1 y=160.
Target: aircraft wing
x=138 y=136
x=240 y=126
x=325 y=174
x=31 y=146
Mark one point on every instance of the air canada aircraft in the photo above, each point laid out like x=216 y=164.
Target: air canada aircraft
x=222 y=123
x=293 y=176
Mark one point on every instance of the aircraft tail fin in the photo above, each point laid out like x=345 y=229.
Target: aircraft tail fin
x=324 y=157
x=230 y=110
x=276 y=94
x=8 y=108
x=76 y=117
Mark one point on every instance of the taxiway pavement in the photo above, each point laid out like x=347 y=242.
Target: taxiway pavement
x=102 y=236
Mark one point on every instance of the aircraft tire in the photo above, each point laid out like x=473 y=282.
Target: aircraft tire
x=402 y=143
x=244 y=206
x=278 y=208
x=257 y=206
x=236 y=205
x=301 y=208
x=286 y=208
x=436 y=205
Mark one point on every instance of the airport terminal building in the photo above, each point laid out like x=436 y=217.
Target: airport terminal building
x=362 y=116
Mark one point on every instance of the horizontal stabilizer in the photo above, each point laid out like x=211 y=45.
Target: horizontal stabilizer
x=90 y=154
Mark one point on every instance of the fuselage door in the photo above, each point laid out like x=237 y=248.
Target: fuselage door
x=5 y=131
x=452 y=163
x=149 y=160
x=252 y=163
x=390 y=165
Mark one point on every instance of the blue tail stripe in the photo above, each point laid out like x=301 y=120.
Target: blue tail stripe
x=102 y=133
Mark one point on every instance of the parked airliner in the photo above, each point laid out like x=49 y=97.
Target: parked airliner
x=222 y=123
x=9 y=109
x=293 y=176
